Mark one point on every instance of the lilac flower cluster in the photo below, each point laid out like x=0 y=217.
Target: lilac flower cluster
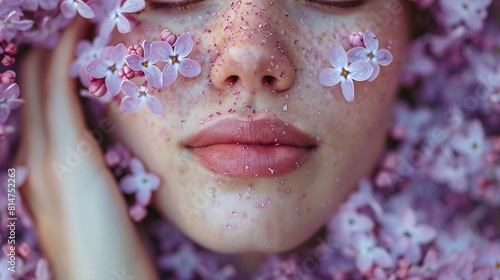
x=112 y=69
x=365 y=58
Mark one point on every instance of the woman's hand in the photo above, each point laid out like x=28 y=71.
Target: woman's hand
x=80 y=215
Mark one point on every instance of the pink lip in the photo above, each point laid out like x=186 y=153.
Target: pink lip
x=260 y=147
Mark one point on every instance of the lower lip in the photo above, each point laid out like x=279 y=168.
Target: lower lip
x=248 y=161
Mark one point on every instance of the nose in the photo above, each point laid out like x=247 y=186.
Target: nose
x=251 y=55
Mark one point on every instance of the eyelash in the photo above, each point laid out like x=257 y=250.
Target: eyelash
x=183 y=5
x=337 y=4
x=187 y=4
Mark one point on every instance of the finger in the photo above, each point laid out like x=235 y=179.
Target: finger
x=65 y=119
x=32 y=152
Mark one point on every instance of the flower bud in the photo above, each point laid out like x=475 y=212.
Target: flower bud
x=136 y=49
x=8 y=77
x=126 y=73
x=356 y=39
x=24 y=249
x=10 y=49
x=98 y=88
x=167 y=36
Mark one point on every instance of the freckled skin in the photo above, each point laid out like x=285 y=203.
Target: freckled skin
x=288 y=41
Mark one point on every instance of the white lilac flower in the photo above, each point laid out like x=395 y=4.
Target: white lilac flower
x=135 y=97
x=139 y=182
x=146 y=64
x=344 y=73
x=370 y=53
x=176 y=59
x=108 y=66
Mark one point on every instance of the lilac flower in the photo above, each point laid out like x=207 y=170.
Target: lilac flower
x=370 y=54
x=451 y=170
x=184 y=262
x=145 y=64
x=42 y=271
x=12 y=24
x=408 y=235
x=70 y=7
x=139 y=182
x=451 y=245
x=108 y=68
x=369 y=254
x=348 y=221
x=85 y=52
x=176 y=59
x=365 y=196
x=470 y=12
x=8 y=100
x=136 y=97
x=343 y=73
x=113 y=15
x=47 y=32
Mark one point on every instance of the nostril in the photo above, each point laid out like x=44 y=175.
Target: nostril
x=268 y=80
x=231 y=80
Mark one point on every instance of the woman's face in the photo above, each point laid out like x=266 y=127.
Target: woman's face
x=255 y=154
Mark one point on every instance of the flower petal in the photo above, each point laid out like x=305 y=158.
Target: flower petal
x=184 y=45
x=84 y=10
x=128 y=184
x=4 y=114
x=130 y=89
x=131 y=104
x=371 y=41
x=347 y=89
x=132 y=6
x=12 y=92
x=384 y=57
x=376 y=71
x=162 y=51
x=154 y=105
x=360 y=71
x=338 y=57
x=330 y=77
x=68 y=10
x=113 y=83
x=358 y=54
x=98 y=68
x=169 y=75
x=134 y=61
x=123 y=24
x=189 y=68
x=153 y=76
x=136 y=166
x=118 y=55
x=143 y=197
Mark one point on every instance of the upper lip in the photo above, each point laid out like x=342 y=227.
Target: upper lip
x=256 y=131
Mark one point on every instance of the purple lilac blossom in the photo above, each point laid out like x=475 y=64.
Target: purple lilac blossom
x=139 y=182
x=175 y=56
x=69 y=8
x=135 y=97
x=8 y=100
x=107 y=67
x=146 y=64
